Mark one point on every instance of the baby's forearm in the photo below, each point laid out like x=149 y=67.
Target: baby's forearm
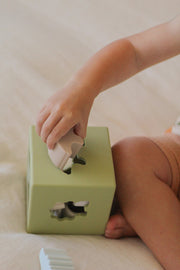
x=111 y=65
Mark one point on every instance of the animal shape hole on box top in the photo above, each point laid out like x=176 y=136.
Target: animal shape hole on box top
x=75 y=203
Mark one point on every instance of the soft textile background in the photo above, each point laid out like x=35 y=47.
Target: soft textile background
x=41 y=44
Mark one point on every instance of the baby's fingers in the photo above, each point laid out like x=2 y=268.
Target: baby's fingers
x=43 y=115
x=49 y=125
x=81 y=129
x=59 y=131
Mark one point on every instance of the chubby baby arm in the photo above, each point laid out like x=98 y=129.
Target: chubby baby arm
x=70 y=106
x=116 y=62
x=157 y=43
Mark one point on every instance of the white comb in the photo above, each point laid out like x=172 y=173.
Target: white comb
x=55 y=259
x=65 y=150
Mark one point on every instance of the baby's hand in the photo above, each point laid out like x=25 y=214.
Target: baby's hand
x=67 y=108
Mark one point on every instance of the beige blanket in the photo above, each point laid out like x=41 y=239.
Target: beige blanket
x=42 y=43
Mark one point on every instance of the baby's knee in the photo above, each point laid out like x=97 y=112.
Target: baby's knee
x=128 y=145
x=131 y=150
x=140 y=156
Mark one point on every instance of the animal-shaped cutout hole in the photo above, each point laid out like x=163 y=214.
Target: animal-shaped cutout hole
x=78 y=160
x=68 y=209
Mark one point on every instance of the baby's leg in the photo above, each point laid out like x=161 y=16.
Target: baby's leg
x=150 y=207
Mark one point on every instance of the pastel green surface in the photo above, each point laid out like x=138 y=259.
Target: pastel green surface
x=93 y=182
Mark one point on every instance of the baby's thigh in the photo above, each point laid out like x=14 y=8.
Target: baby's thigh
x=139 y=157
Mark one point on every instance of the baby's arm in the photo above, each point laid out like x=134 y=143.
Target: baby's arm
x=157 y=44
x=123 y=58
x=70 y=107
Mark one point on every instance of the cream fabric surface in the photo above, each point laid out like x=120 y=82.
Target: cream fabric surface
x=42 y=43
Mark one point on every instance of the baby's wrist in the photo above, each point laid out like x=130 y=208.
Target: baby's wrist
x=85 y=86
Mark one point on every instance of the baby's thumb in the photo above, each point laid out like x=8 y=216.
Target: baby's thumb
x=80 y=130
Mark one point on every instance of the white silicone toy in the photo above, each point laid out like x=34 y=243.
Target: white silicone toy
x=51 y=259
x=65 y=150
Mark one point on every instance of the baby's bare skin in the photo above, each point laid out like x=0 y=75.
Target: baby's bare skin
x=157 y=220
x=149 y=206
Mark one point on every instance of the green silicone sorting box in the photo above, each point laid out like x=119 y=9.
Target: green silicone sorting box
x=93 y=182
